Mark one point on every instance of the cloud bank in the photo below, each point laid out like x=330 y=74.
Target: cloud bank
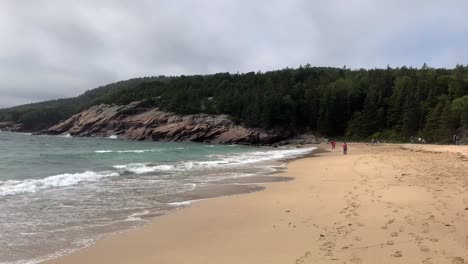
x=54 y=48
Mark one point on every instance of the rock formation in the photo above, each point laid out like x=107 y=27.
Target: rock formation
x=139 y=123
x=10 y=126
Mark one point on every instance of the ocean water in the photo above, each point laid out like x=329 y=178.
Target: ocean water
x=59 y=194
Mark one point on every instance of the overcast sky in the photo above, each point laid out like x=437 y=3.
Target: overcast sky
x=54 y=49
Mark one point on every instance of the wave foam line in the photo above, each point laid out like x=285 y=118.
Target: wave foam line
x=221 y=160
x=61 y=180
x=127 y=151
x=139 y=168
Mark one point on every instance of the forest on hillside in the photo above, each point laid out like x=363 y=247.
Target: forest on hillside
x=390 y=104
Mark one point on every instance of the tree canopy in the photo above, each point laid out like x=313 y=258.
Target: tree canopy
x=391 y=103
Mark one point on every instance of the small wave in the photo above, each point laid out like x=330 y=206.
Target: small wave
x=61 y=180
x=103 y=151
x=127 y=151
x=257 y=156
x=136 y=216
x=113 y=137
x=186 y=203
x=245 y=158
x=220 y=160
x=66 y=136
x=177 y=204
x=139 y=168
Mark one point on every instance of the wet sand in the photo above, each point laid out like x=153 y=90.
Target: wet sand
x=379 y=204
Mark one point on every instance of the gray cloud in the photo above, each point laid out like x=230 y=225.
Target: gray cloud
x=51 y=49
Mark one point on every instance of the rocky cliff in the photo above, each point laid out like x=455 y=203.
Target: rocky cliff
x=139 y=123
x=10 y=126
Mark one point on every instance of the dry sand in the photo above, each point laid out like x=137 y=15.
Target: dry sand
x=379 y=204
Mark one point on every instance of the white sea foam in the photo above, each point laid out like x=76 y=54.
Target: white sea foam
x=61 y=180
x=184 y=203
x=249 y=157
x=128 y=151
x=136 y=216
x=220 y=160
x=139 y=168
x=103 y=151
x=24 y=133
x=113 y=137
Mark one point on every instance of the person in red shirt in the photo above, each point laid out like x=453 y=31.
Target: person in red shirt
x=345 y=148
x=333 y=143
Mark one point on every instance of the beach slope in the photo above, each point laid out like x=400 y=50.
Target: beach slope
x=379 y=204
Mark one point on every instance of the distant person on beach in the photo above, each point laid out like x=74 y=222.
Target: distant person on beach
x=345 y=148
x=411 y=139
x=333 y=144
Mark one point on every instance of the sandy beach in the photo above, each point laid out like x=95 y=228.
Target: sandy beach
x=378 y=204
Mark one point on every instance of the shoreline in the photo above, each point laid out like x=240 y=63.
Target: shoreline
x=378 y=203
x=227 y=187
x=79 y=214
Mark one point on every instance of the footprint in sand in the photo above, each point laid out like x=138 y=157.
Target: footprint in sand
x=356 y=260
x=390 y=243
x=427 y=261
x=398 y=254
x=303 y=258
x=327 y=245
x=358 y=238
x=394 y=234
x=424 y=248
x=458 y=260
x=384 y=227
x=425 y=228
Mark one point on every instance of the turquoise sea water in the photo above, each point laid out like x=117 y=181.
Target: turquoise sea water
x=59 y=193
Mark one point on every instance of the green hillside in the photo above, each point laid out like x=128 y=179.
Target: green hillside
x=391 y=104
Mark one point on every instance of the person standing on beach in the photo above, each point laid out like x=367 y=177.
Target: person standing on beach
x=345 y=148
x=333 y=144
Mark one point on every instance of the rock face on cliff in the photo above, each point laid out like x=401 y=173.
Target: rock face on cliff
x=10 y=126
x=138 y=123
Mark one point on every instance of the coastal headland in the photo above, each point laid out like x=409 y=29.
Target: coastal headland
x=379 y=204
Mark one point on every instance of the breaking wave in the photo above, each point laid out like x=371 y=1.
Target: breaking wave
x=67 y=179
x=127 y=151
x=139 y=168
x=219 y=160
